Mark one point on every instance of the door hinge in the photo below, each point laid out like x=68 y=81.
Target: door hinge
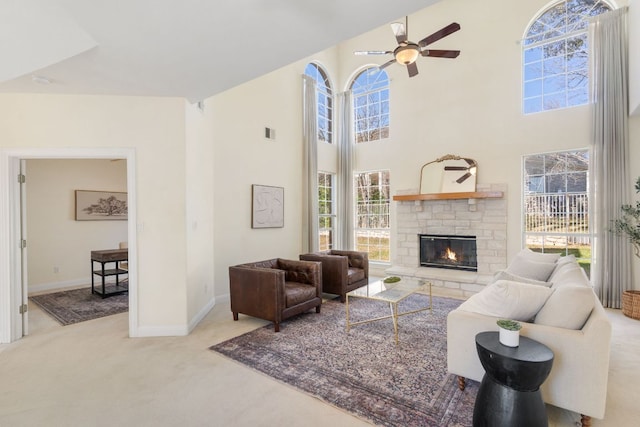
x=22 y=179
x=23 y=308
x=23 y=244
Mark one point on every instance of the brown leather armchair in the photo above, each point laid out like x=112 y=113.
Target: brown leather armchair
x=275 y=289
x=342 y=271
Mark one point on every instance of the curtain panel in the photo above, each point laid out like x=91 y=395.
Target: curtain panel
x=611 y=272
x=345 y=238
x=310 y=170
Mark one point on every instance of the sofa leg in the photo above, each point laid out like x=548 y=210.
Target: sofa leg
x=343 y=298
x=318 y=309
x=235 y=315
x=276 y=327
x=461 y=383
x=585 y=420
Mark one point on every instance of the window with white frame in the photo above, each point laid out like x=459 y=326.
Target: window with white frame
x=325 y=101
x=326 y=213
x=370 y=90
x=556 y=204
x=373 y=201
x=555 y=56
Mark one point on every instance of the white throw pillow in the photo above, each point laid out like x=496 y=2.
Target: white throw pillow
x=568 y=307
x=569 y=275
x=505 y=275
x=536 y=270
x=508 y=299
x=538 y=256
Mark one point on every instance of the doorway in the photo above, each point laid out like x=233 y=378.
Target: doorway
x=12 y=294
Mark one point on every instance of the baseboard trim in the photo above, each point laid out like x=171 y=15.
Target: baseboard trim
x=59 y=285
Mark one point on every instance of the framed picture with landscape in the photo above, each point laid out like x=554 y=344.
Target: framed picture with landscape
x=101 y=206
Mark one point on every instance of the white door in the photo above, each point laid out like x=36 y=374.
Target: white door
x=23 y=311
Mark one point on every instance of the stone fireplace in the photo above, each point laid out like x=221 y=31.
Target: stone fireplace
x=450 y=215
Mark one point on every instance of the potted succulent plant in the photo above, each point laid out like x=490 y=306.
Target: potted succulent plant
x=509 y=332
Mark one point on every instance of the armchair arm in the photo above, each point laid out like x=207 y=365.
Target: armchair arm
x=257 y=292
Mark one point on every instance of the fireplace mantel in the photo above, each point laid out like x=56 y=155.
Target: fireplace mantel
x=450 y=196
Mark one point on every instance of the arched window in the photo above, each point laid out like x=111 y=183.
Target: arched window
x=555 y=56
x=325 y=102
x=371 y=105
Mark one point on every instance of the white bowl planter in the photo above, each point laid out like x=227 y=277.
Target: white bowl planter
x=509 y=332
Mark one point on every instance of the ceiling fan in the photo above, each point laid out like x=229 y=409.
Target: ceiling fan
x=407 y=51
x=469 y=170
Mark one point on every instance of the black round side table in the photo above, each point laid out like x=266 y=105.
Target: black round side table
x=509 y=394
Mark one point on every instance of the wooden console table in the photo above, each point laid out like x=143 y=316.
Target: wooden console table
x=104 y=257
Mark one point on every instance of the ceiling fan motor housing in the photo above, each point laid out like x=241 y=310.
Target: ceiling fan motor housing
x=406 y=53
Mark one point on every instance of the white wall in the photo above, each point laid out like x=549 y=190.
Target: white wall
x=155 y=127
x=55 y=240
x=199 y=193
x=244 y=157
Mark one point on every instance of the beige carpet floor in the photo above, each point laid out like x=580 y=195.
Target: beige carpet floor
x=92 y=374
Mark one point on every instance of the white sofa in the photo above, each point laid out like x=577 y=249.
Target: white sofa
x=555 y=302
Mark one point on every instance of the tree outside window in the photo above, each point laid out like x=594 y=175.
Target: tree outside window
x=555 y=56
x=372 y=214
x=324 y=102
x=371 y=105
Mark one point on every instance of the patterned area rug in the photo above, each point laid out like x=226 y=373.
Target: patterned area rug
x=79 y=305
x=364 y=371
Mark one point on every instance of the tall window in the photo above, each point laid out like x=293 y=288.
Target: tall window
x=556 y=204
x=372 y=214
x=325 y=102
x=326 y=214
x=371 y=105
x=555 y=56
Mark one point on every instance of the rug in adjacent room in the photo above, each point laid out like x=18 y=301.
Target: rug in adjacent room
x=364 y=371
x=79 y=305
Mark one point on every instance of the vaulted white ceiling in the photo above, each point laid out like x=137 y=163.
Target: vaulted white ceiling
x=180 y=48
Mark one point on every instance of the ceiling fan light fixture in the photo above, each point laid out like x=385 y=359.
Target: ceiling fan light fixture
x=407 y=54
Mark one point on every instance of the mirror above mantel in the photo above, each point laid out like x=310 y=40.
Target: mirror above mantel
x=449 y=174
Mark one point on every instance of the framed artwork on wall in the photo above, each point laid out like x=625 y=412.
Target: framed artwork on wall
x=267 y=206
x=101 y=206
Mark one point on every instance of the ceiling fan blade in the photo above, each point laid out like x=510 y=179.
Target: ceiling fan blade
x=413 y=69
x=456 y=168
x=372 y=52
x=386 y=64
x=449 y=29
x=463 y=178
x=440 y=53
x=399 y=31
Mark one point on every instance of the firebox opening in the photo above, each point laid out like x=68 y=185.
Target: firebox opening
x=444 y=251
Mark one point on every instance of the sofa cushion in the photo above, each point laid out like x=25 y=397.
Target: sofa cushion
x=508 y=299
x=524 y=267
x=569 y=275
x=539 y=256
x=568 y=307
x=505 y=275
